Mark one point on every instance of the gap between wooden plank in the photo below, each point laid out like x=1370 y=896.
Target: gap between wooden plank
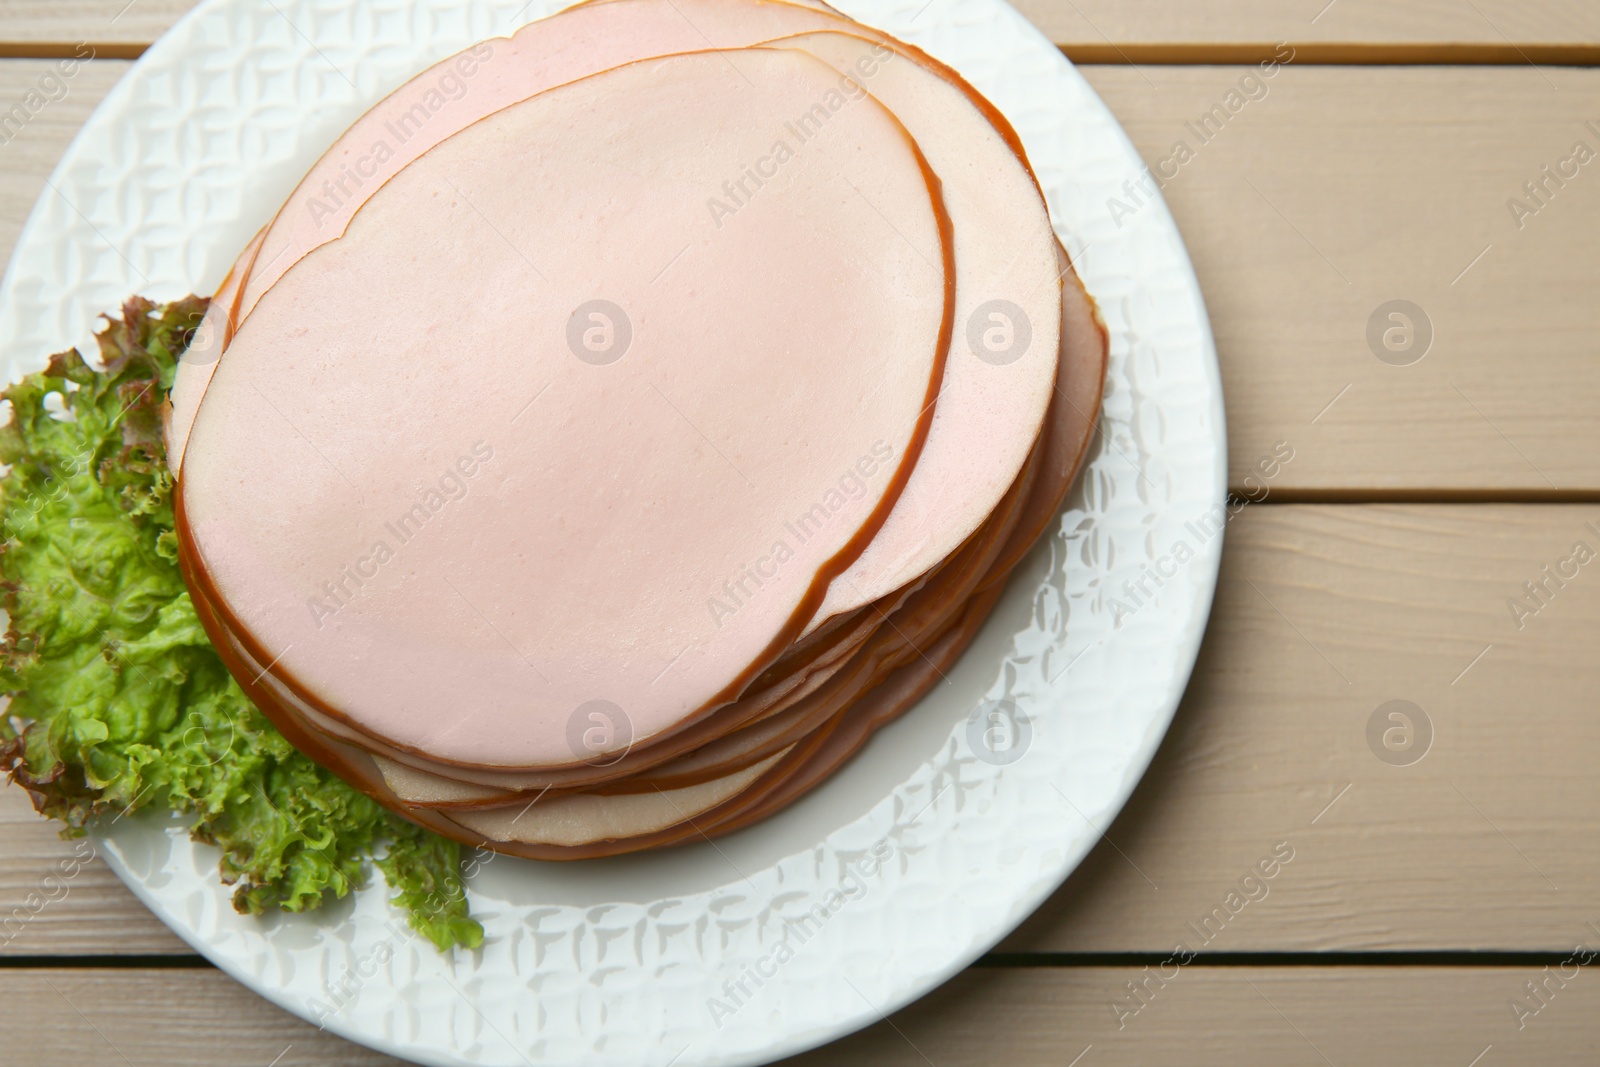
x=57 y=50
x=1376 y=958
x=1419 y=495
x=1334 y=53
x=1175 y=53
x=105 y=962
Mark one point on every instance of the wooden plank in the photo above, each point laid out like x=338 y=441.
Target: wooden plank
x=1248 y=1016
x=178 y=1018
x=1031 y=1017
x=1307 y=212
x=112 y=26
x=1095 y=30
x=58 y=898
x=1324 y=613
x=1424 y=30
x=1334 y=194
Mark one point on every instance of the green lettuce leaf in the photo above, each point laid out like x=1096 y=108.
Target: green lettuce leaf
x=116 y=700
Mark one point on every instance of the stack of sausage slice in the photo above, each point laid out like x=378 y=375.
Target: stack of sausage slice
x=627 y=417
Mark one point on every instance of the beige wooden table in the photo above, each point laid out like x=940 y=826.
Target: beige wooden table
x=1425 y=902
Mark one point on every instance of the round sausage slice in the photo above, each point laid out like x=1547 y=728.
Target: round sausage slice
x=557 y=422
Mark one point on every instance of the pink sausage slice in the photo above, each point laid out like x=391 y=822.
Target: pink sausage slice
x=987 y=401
x=1002 y=366
x=488 y=459
x=459 y=91
x=1008 y=289
x=200 y=358
x=584 y=818
x=442 y=101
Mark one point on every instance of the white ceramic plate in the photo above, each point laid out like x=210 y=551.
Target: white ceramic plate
x=919 y=855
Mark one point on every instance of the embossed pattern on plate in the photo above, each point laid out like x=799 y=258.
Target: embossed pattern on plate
x=919 y=855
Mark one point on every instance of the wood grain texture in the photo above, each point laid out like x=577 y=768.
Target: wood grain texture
x=57 y=898
x=177 y=1018
x=1033 y=1017
x=99 y=22
x=1338 y=191
x=1108 y=25
x=1211 y=1017
x=1412 y=22
x=1323 y=613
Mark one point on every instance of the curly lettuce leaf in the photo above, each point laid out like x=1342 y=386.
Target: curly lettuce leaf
x=116 y=700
